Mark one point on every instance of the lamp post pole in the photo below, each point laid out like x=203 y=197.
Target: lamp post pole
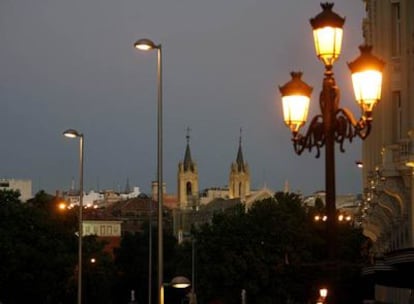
x=150 y=253
x=71 y=133
x=333 y=124
x=193 y=296
x=159 y=178
x=146 y=45
x=328 y=114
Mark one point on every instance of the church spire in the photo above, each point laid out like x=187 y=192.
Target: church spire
x=239 y=159
x=239 y=180
x=187 y=179
x=188 y=162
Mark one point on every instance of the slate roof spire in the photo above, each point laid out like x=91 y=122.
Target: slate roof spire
x=239 y=159
x=188 y=162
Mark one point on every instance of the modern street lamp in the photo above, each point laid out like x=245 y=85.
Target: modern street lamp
x=71 y=133
x=147 y=45
x=179 y=282
x=334 y=124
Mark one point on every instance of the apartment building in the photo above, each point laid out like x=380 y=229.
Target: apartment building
x=388 y=155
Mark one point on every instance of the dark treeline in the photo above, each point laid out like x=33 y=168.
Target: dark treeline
x=273 y=253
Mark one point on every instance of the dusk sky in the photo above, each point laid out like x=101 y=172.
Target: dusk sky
x=72 y=64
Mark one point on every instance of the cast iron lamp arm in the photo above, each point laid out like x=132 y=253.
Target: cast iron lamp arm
x=314 y=137
x=346 y=127
x=360 y=128
x=339 y=122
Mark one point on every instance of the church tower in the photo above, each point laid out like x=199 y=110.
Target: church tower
x=187 y=180
x=239 y=181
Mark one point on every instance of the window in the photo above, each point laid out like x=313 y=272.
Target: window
x=189 y=189
x=397 y=115
x=395 y=29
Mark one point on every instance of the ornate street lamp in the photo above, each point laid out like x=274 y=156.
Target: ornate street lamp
x=334 y=124
x=148 y=45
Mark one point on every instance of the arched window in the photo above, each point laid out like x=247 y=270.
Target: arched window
x=189 y=188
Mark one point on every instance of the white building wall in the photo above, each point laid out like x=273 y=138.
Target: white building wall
x=135 y=192
x=24 y=186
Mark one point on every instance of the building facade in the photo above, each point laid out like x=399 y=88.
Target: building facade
x=195 y=207
x=24 y=186
x=188 y=194
x=387 y=213
x=102 y=228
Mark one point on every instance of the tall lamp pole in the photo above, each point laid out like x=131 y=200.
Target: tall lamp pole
x=146 y=45
x=334 y=124
x=71 y=133
x=193 y=296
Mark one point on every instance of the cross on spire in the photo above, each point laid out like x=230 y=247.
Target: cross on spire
x=188 y=135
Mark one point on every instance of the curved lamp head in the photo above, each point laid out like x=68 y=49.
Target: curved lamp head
x=71 y=133
x=180 y=282
x=295 y=98
x=145 y=45
x=367 y=80
x=327 y=34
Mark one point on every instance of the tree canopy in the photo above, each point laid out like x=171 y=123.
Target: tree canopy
x=38 y=252
x=274 y=252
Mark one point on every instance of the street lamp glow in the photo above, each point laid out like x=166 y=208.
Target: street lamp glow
x=177 y=282
x=71 y=133
x=295 y=100
x=367 y=79
x=323 y=292
x=359 y=164
x=180 y=282
x=327 y=34
x=145 y=44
